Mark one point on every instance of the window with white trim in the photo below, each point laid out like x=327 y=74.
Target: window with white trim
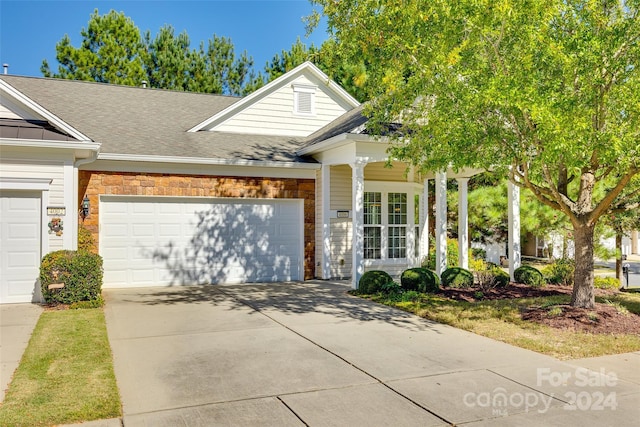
x=372 y=225
x=304 y=99
x=397 y=220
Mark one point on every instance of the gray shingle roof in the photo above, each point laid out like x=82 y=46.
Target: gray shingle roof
x=137 y=121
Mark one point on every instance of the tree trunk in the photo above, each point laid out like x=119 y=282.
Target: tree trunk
x=619 y=256
x=583 y=295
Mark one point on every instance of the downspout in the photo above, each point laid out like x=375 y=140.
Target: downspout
x=92 y=158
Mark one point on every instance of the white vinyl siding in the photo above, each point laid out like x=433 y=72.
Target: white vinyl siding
x=275 y=113
x=53 y=170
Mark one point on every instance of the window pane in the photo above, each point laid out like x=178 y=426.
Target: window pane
x=397 y=208
x=416 y=208
x=372 y=242
x=372 y=208
x=397 y=242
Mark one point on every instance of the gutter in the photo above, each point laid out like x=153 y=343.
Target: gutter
x=207 y=161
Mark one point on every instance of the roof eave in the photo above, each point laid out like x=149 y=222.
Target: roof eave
x=206 y=161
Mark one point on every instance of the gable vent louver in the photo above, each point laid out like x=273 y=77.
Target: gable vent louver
x=304 y=99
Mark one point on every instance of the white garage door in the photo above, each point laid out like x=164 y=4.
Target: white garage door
x=19 y=245
x=155 y=241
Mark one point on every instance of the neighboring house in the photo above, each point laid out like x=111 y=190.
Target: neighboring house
x=186 y=188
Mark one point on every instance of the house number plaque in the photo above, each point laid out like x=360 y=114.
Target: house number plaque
x=56 y=210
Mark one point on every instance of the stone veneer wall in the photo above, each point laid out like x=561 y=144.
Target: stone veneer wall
x=93 y=184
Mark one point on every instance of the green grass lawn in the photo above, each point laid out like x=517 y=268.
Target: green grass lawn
x=66 y=373
x=500 y=320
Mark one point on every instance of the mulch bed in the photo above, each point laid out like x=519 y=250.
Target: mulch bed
x=602 y=319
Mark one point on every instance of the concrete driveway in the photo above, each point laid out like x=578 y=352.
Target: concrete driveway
x=309 y=354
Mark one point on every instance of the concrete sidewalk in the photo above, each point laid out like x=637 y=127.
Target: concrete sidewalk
x=16 y=324
x=296 y=354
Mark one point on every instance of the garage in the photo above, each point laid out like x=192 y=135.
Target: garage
x=20 y=230
x=165 y=241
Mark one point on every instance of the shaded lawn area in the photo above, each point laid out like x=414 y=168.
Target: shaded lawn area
x=501 y=319
x=66 y=373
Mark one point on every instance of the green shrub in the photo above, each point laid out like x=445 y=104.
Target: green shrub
x=529 y=276
x=500 y=276
x=419 y=279
x=457 y=277
x=478 y=253
x=560 y=272
x=391 y=288
x=81 y=273
x=94 y=303
x=606 y=282
x=452 y=256
x=86 y=242
x=372 y=281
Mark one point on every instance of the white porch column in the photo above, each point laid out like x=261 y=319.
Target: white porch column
x=634 y=242
x=514 y=228
x=441 y=222
x=463 y=223
x=424 y=233
x=357 y=245
x=326 y=221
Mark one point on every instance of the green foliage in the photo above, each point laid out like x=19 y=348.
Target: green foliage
x=391 y=288
x=488 y=276
x=420 y=279
x=560 y=272
x=478 y=254
x=452 y=255
x=81 y=273
x=86 y=242
x=529 y=276
x=373 y=281
x=110 y=52
x=94 y=303
x=554 y=102
x=606 y=282
x=113 y=51
x=457 y=277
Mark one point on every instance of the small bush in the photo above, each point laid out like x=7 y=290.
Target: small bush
x=476 y=264
x=96 y=303
x=478 y=253
x=457 y=277
x=491 y=277
x=560 y=272
x=452 y=255
x=420 y=279
x=529 y=276
x=500 y=276
x=81 y=273
x=606 y=282
x=372 y=281
x=391 y=288
x=86 y=242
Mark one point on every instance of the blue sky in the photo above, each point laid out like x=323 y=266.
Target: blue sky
x=29 y=30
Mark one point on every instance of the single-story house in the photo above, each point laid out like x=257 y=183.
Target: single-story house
x=178 y=188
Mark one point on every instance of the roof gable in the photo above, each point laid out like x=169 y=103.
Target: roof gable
x=23 y=118
x=296 y=104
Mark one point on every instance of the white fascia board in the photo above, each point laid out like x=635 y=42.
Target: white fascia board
x=41 y=111
x=280 y=81
x=206 y=161
x=338 y=140
x=60 y=145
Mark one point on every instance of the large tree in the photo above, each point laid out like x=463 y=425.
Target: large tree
x=113 y=51
x=546 y=89
x=110 y=52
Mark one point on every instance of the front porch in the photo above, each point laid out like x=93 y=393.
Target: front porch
x=372 y=213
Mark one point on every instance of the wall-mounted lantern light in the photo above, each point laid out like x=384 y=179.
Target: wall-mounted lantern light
x=84 y=212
